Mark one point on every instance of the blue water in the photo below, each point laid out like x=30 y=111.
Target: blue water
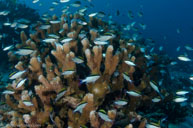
x=162 y=18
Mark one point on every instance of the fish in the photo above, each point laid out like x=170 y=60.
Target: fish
x=91 y=79
x=51 y=8
x=180 y=99
x=76 y=4
x=97 y=42
x=64 y=1
x=130 y=63
x=156 y=99
x=82 y=22
x=60 y=94
x=35 y=1
x=53 y=36
x=130 y=14
x=93 y=14
x=178 y=48
x=24 y=52
x=184 y=58
x=44 y=27
x=78 y=60
x=55 y=3
x=191 y=77
x=27 y=103
x=173 y=63
x=103 y=115
x=20 y=83
x=101 y=14
x=22 y=26
x=143 y=26
x=152 y=125
x=7 y=24
x=80 y=107
x=120 y=102
x=126 y=77
x=66 y=40
x=54 y=22
x=105 y=37
x=68 y=72
x=8 y=48
x=8 y=92
x=182 y=92
x=188 y=48
x=134 y=93
x=49 y=40
x=154 y=86
x=16 y=75
x=140 y=14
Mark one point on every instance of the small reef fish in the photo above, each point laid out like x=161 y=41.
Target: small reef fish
x=154 y=86
x=188 y=48
x=20 y=83
x=153 y=125
x=44 y=27
x=120 y=102
x=49 y=40
x=27 y=103
x=68 y=72
x=80 y=107
x=103 y=115
x=35 y=1
x=134 y=93
x=54 y=22
x=64 y=1
x=22 y=26
x=126 y=77
x=53 y=36
x=8 y=92
x=130 y=63
x=76 y=4
x=156 y=99
x=24 y=52
x=90 y=79
x=173 y=63
x=105 y=38
x=191 y=77
x=180 y=99
x=78 y=60
x=182 y=92
x=97 y=42
x=93 y=14
x=66 y=40
x=16 y=75
x=184 y=58
x=60 y=94
x=8 y=47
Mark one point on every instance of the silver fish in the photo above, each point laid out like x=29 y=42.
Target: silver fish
x=91 y=79
x=20 y=83
x=80 y=107
x=24 y=52
x=180 y=99
x=27 y=103
x=133 y=93
x=17 y=75
x=130 y=63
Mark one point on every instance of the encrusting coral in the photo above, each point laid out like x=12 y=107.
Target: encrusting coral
x=53 y=73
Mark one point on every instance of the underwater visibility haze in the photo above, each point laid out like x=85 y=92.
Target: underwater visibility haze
x=96 y=64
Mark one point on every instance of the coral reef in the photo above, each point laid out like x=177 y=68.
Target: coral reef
x=73 y=82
